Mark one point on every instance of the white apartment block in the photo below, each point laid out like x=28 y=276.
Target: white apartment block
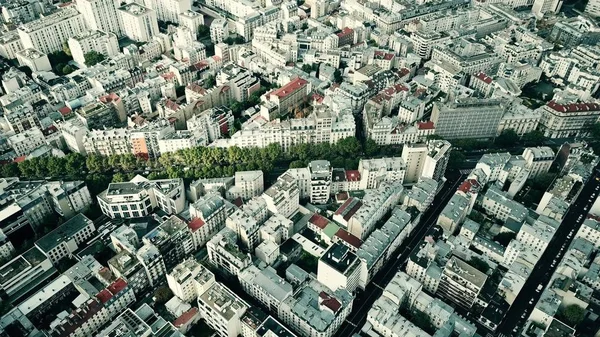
x=246 y=228
x=315 y=310
x=74 y=132
x=593 y=8
x=520 y=119
x=139 y=22
x=222 y=310
x=219 y=30
x=100 y=15
x=10 y=44
x=169 y=10
x=375 y=171
x=48 y=33
x=224 y=252
x=208 y=218
x=248 y=184
x=181 y=279
x=277 y=229
x=541 y=7
x=536 y=236
x=93 y=40
x=320 y=181
x=421 y=194
x=496 y=203
x=66 y=238
x=107 y=142
x=141 y=196
x=590 y=230
x=35 y=60
x=538 y=159
x=265 y=286
x=25 y=142
x=339 y=268
x=561 y=120
x=283 y=196
x=427 y=160
x=153 y=263
x=375 y=205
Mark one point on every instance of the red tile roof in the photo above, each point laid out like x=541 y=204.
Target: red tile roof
x=109 y=98
x=117 y=286
x=330 y=302
x=185 y=317
x=484 y=78
x=318 y=220
x=196 y=88
x=171 y=105
x=426 y=125
x=238 y=202
x=65 y=110
x=346 y=31
x=349 y=238
x=348 y=208
x=341 y=196
x=104 y=296
x=293 y=86
x=352 y=175
x=195 y=224
x=468 y=185
x=573 y=107
x=20 y=159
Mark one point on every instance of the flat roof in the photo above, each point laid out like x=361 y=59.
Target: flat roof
x=63 y=233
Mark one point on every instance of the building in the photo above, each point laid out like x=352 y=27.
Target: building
x=73 y=132
x=467 y=118
x=461 y=283
x=497 y=204
x=562 y=120
x=593 y=8
x=265 y=286
x=172 y=239
x=100 y=15
x=454 y=213
x=94 y=40
x=107 y=142
x=320 y=181
x=222 y=310
x=141 y=196
x=35 y=60
x=139 y=23
x=375 y=171
x=246 y=227
x=538 y=160
x=428 y=160
x=315 y=311
x=181 y=279
x=153 y=263
x=421 y=194
x=141 y=322
x=169 y=10
x=128 y=267
x=339 y=268
x=208 y=218
x=283 y=196
x=25 y=273
x=224 y=252
x=290 y=96
x=248 y=184
x=541 y=7
x=66 y=239
x=47 y=34
x=25 y=142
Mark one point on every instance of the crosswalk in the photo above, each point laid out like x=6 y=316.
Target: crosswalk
x=466 y=171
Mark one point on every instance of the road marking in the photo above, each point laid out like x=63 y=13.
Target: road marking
x=354 y=325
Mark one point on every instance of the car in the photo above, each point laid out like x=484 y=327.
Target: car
x=531 y=301
x=539 y=288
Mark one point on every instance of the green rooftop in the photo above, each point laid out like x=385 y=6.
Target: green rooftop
x=331 y=229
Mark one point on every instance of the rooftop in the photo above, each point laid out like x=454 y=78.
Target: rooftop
x=64 y=232
x=466 y=271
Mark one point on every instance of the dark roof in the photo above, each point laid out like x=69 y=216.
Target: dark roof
x=63 y=232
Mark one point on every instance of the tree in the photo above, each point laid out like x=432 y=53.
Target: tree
x=297 y=164
x=573 y=315
x=371 y=148
x=306 y=68
x=203 y=31
x=9 y=170
x=504 y=238
x=67 y=69
x=162 y=294
x=209 y=82
x=423 y=321
x=476 y=216
x=507 y=138
x=457 y=158
x=533 y=138
x=337 y=76
x=93 y=57
x=479 y=264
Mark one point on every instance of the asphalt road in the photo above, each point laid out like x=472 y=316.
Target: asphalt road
x=365 y=299
x=524 y=303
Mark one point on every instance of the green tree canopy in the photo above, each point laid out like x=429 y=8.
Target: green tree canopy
x=479 y=264
x=508 y=138
x=573 y=315
x=93 y=57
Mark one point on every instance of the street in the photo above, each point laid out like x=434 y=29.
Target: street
x=529 y=294
x=365 y=299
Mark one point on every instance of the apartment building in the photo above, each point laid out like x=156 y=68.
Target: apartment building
x=94 y=40
x=339 y=268
x=428 y=160
x=467 y=118
x=169 y=10
x=461 y=283
x=47 y=34
x=373 y=172
x=320 y=181
x=139 y=23
x=181 y=279
x=172 y=239
x=208 y=218
x=141 y=196
x=283 y=196
x=265 y=286
x=248 y=184
x=128 y=267
x=538 y=160
x=315 y=310
x=66 y=238
x=24 y=273
x=498 y=204
x=246 y=228
x=222 y=310
x=453 y=213
x=224 y=252
x=421 y=194
x=153 y=263
x=290 y=96
x=568 y=119
x=25 y=142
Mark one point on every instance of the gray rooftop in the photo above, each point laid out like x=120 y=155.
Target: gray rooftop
x=63 y=233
